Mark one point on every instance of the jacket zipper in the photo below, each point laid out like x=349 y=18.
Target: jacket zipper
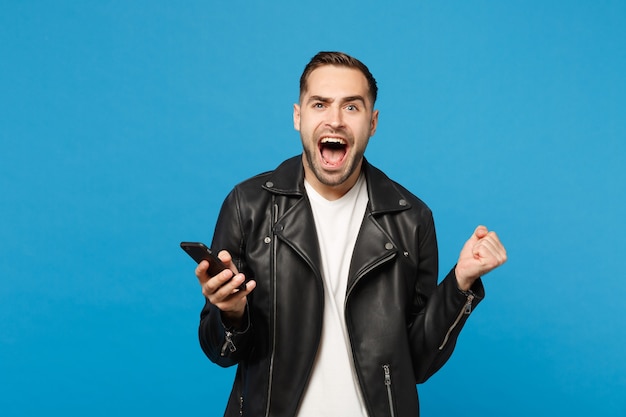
x=274 y=220
x=363 y=273
x=467 y=309
x=228 y=343
x=388 y=386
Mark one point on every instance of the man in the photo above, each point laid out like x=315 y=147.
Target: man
x=342 y=314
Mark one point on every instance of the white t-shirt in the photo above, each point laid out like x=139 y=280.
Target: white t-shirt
x=333 y=389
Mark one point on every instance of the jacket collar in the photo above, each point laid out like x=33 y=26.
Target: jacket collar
x=384 y=194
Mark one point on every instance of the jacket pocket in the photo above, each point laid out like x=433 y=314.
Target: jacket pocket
x=388 y=386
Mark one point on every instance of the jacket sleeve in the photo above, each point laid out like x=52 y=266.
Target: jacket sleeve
x=440 y=311
x=222 y=344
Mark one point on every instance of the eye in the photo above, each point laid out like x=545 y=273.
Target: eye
x=351 y=107
x=318 y=105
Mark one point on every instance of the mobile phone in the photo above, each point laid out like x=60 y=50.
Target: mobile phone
x=200 y=252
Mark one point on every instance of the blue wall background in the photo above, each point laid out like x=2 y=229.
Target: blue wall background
x=124 y=124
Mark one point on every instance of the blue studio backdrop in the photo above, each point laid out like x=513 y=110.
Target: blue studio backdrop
x=123 y=125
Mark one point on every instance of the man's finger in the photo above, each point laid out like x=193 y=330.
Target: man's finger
x=227 y=260
x=201 y=272
x=480 y=232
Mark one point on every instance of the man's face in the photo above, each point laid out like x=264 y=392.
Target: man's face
x=335 y=119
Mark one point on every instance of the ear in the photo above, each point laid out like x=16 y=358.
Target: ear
x=374 y=122
x=296 y=117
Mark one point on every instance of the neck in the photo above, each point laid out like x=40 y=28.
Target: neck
x=331 y=192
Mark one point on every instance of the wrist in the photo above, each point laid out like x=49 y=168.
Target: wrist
x=235 y=320
x=463 y=282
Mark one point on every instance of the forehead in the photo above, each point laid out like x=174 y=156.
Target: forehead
x=334 y=82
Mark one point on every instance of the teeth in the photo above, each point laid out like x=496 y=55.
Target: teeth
x=334 y=141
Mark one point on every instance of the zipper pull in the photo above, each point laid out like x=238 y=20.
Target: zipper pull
x=228 y=343
x=387 y=375
x=468 y=304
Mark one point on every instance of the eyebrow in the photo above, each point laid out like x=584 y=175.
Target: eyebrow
x=343 y=99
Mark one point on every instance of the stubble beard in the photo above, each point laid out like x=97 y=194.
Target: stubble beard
x=331 y=180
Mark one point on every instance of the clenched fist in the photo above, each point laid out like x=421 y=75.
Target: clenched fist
x=483 y=252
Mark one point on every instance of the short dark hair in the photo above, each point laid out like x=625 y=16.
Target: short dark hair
x=339 y=59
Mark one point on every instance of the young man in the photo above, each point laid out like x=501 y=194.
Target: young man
x=342 y=314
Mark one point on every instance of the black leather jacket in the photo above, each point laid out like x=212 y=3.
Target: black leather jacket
x=402 y=325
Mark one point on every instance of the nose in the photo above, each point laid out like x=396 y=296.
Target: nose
x=335 y=117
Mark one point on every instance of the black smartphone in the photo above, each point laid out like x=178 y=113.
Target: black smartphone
x=200 y=252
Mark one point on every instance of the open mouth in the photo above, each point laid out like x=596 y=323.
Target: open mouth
x=333 y=150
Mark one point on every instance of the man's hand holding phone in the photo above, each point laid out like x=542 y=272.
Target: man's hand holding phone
x=226 y=289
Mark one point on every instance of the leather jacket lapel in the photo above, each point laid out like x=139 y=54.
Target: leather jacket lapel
x=373 y=248
x=297 y=229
